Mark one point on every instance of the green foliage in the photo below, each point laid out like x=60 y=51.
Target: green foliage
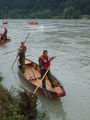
x=44 y=8
x=23 y=108
x=70 y=13
x=5 y=99
x=5 y=95
x=14 y=113
x=47 y=14
x=89 y=17
x=43 y=116
x=28 y=104
x=14 y=14
x=1 y=78
x=41 y=14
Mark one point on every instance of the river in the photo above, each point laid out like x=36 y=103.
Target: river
x=71 y=67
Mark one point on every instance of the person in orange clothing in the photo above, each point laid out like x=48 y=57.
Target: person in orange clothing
x=4 y=34
x=44 y=63
x=21 y=53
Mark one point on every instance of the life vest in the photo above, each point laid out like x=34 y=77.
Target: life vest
x=23 y=47
x=21 y=51
x=46 y=62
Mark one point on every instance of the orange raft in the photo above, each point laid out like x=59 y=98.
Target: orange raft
x=4 y=42
x=32 y=75
x=33 y=23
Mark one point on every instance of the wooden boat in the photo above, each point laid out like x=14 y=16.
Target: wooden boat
x=4 y=42
x=32 y=75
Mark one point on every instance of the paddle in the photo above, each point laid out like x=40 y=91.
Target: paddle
x=47 y=71
x=17 y=53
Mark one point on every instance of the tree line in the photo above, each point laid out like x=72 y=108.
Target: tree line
x=44 y=8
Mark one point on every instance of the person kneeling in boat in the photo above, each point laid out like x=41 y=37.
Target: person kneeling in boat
x=44 y=63
x=4 y=35
x=21 y=54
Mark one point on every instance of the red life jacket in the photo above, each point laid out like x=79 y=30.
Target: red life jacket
x=46 y=62
x=22 y=50
x=23 y=47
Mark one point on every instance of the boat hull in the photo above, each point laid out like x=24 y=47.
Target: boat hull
x=50 y=93
x=4 y=42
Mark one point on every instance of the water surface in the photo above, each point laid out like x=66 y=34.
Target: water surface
x=72 y=66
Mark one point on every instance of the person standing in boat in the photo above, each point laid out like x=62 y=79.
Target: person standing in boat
x=44 y=63
x=21 y=53
x=4 y=35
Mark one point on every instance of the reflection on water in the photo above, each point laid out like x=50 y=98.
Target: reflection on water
x=53 y=107
x=72 y=66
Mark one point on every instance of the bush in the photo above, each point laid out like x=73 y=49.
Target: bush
x=28 y=104
x=1 y=78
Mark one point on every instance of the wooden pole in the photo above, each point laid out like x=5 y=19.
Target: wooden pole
x=41 y=81
x=26 y=37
